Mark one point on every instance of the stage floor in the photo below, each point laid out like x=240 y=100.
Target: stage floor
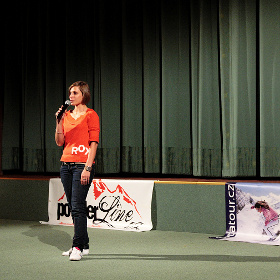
x=156 y=255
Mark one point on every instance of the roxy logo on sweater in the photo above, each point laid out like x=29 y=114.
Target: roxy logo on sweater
x=80 y=149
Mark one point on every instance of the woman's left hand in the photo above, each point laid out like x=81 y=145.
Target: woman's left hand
x=85 y=177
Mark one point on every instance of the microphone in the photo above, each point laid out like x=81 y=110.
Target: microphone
x=64 y=107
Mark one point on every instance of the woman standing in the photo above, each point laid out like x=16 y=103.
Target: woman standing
x=78 y=131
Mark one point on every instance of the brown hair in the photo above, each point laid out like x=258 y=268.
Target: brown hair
x=84 y=88
x=261 y=203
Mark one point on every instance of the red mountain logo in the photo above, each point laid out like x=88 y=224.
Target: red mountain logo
x=100 y=187
x=62 y=197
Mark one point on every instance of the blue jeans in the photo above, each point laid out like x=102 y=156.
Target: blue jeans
x=76 y=195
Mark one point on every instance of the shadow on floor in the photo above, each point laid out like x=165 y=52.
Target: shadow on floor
x=50 y=236
x=203 y=258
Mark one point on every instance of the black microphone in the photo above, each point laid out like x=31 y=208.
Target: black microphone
x=64 y=107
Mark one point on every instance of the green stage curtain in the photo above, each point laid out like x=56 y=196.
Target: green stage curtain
x=237 y=27
x=183 y=87
x=206 y=120
x=269 y=89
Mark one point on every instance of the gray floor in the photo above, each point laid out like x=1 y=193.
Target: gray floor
x=33 y=251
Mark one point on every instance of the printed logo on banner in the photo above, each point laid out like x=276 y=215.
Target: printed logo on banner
x=63 y=209
x=231 y=221
x=113 y=208
x=231 y=218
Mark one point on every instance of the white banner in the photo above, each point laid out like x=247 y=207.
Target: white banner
x=252 y=213
x=111 y=204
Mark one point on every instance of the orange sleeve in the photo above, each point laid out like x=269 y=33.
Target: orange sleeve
x=93 y=127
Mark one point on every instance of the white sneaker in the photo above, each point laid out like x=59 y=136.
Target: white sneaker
x=76 y=254
x=68 y=253
x=85 y=252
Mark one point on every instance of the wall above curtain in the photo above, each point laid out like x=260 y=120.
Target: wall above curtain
x=183 y=87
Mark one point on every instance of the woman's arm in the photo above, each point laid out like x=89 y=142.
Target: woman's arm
x=91 y=156
x=59 y=135
x=92 y=153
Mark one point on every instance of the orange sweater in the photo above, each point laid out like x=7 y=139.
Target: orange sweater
x=78 y=135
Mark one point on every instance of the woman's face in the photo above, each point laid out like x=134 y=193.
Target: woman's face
x=75 y=96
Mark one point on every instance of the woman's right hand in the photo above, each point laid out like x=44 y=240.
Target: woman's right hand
x=59 y=136
x=57 y=113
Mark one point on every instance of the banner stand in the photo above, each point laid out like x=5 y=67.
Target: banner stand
x=111 y=204
x=252 y=213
